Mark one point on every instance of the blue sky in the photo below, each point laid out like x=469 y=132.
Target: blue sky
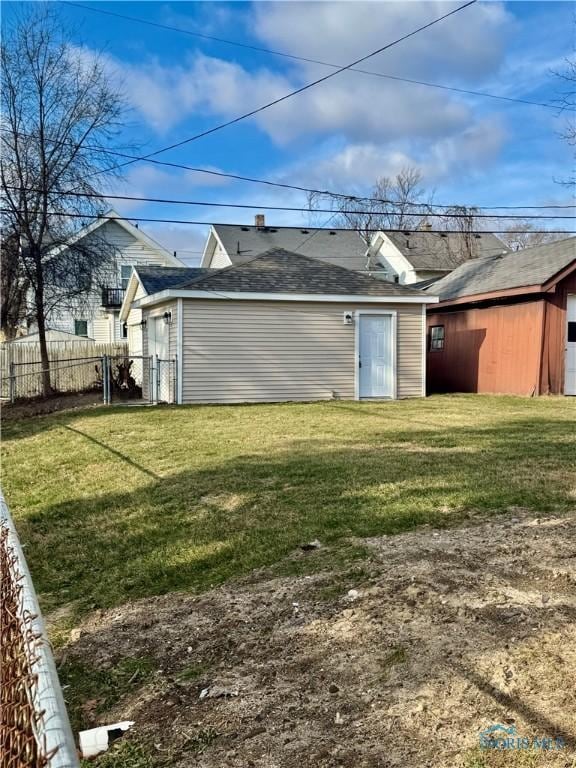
x=345 y=133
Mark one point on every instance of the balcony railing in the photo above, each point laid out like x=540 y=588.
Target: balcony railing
x=112 y=297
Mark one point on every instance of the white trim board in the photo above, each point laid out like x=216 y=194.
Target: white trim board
x=394 y=315
x=157 y=298
x=180 y=349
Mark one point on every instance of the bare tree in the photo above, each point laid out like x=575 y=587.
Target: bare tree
x=567 y=104
x=59 y=113
x=523 y=234
x=13 y=287
x=393 y=203
x=462 y=222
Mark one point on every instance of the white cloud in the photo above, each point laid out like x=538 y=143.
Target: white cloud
x=473 y=41
x=355 y=106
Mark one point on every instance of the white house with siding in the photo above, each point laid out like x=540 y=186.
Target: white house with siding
x=278 y=327
x=98 y=317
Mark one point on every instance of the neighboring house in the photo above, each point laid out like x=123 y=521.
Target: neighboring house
x=52 y=337
x=97 y=318
x=401 y=257
x=507 y=324
x=279 y=327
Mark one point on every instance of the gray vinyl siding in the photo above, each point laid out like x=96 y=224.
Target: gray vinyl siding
x=265 y=351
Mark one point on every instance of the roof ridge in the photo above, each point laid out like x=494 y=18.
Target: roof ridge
x=200 y=278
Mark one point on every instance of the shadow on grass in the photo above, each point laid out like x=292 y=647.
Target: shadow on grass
x=197 y=528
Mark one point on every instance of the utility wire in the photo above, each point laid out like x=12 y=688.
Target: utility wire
x=297 y=188
x=293 y=209
x=295 y=92
x=307 y=60
x=326 y=229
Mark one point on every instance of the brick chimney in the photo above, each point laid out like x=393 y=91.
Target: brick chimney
x=259 y=220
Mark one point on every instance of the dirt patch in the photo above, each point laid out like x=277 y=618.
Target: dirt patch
x=447 y=633
x=38 y=406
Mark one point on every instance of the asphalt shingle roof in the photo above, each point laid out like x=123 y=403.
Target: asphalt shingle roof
x=155 y=279
x=430 y=250
x=530 y=266
x=344 y=248
x=279 y=271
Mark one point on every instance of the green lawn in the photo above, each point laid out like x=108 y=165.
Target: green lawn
x=121 y=503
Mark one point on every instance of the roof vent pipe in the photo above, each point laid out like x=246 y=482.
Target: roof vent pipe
x=259 y=220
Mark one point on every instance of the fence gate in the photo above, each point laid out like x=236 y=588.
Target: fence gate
x=133 y=378
x=124 y=378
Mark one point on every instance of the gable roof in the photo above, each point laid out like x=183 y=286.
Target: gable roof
x=445 y=251
x=344 y=248
x=156 y=279
x=279 y=271
x=136 y=232
x=529 y=267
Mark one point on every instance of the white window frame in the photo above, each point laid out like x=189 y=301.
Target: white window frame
x=357 y=315
x=82 y=320
x=122 y=278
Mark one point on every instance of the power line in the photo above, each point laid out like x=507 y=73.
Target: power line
x=298 y=188
x=325 y=229
x=290 y=209
x=295 y=92
x=307 y=60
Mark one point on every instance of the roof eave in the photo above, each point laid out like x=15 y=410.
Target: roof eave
x=169 y=294
x=488 y=295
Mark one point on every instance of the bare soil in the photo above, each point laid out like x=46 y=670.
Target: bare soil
x=38 y=406
x=450 y=631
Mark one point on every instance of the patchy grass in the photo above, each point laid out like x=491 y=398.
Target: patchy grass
x=127 y=753
x=115 y=504
x=89 y=691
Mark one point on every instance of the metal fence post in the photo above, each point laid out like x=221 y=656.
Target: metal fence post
x=12 y=383
x=105 y=379
x=175 y=374
x=158 y=381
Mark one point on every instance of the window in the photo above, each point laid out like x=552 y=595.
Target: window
x=436 y=338
x=124 y=330
x=81 y=327
x=571 y=330
x=125 y=272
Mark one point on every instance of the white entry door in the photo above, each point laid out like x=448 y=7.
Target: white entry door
x=376 y=355
x=158 y=348
x=570 y=366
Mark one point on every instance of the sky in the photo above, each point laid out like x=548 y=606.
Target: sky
x=342 y=134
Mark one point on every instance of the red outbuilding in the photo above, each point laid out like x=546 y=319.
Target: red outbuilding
x=506 y=324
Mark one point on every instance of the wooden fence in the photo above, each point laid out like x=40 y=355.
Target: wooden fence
x=74 y=367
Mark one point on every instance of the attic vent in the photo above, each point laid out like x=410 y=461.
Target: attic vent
x=305 y=231
x=407 y=233
x=443 y=234
x=245 y=229
x=477 y=237
x=331 y=232
x=272 y=230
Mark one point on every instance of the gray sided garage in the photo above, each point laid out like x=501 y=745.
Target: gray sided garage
x=286 y=327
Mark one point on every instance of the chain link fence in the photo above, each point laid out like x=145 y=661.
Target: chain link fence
x=119 y=377
x=25 y=380
x=34 y=727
